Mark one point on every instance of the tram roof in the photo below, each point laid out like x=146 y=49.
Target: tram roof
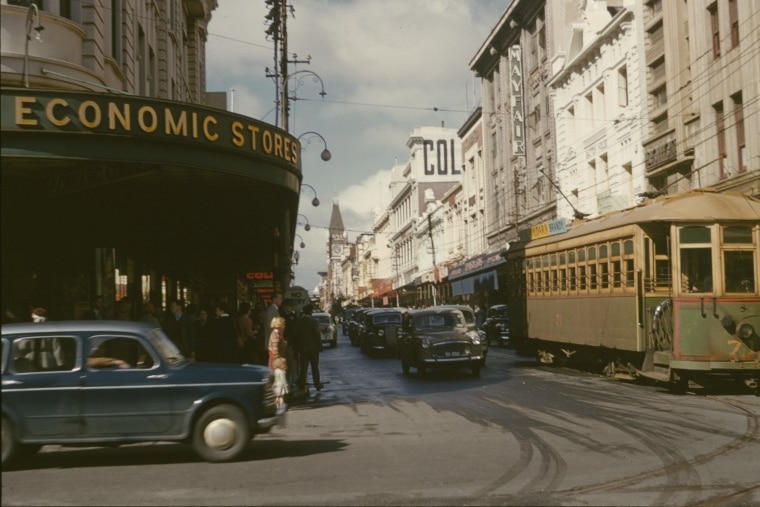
x=700 y=205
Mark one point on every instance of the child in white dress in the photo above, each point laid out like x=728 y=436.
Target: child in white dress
x=280 y=380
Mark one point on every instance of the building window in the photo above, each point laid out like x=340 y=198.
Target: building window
x=721 y=136
x=714 y=29
x=741 y=144
x=623 y=86
x=733 y=15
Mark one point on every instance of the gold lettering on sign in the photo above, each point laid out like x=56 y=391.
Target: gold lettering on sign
x=22 y=110
x=50 y=113
x=121 y=115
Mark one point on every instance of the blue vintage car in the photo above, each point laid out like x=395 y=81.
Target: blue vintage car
x=115 y=382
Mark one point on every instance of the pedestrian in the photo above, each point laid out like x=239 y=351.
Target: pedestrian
x=289 y=314
x=223 y=336
x=280 y=386
x=273 y=310
x=277 y=345
x=179 y=328
x=202 y=335
x=247 y=334
x=96 y=311
x=310 y=345
x=149 y=315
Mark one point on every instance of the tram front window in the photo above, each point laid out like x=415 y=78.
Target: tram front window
x=740 y=275
x=696 y=270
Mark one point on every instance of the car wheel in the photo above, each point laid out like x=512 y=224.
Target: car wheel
x=221 y=433
x=405 y=367
x=476 y=370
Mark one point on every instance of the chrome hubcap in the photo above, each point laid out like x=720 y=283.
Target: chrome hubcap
x=220 y=433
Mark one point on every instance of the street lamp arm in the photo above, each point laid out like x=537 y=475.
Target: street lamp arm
x=315 y=201
x=315 y=77
x=307 y=226
x=325 y=155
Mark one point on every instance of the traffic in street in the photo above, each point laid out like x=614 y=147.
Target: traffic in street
x=520 y=433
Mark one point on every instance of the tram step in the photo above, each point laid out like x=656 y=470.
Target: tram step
x=661 y=376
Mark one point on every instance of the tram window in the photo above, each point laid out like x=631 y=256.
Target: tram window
x=592 y=275
x=572 y=279
x=547 y=282
x=737 y=235
x=696 y=269
x=545 y=262
x=554 y=280
x=602 y=251
x=562 y=259
x=581 y=255
x=740 y=274
x=554 y=260
x=629 y=272
x=582 y=277
x=694 y=234
x=571 y=256
x=562 y=280
x=663 y=275
x=616 y=274
x=615 y=247
x=628 y=247
x=591 y=253
x=604 y=273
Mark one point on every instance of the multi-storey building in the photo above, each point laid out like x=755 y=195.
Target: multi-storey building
x=600 y=112
x=702 y=74
x=111 y=141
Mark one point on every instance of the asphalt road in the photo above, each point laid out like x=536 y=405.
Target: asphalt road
x=520 y=434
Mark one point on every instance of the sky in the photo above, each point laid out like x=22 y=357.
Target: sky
x=387 y=66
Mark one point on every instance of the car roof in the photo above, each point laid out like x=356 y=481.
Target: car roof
x=458 y=307
x=433 y=310
x=497 y=307
x=77 y=326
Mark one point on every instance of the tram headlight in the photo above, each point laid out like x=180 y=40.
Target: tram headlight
x=745 y=331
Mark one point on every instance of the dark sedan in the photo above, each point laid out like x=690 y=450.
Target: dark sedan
x=114 y=382
x=380 y=330
x=439 y=337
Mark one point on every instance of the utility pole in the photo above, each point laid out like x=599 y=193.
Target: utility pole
x=284 y=107
x=432 y=247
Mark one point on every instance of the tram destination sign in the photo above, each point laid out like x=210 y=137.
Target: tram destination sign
x=549 y=228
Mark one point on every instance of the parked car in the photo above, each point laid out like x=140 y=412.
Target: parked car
x=348 y=313
x=115 y=382
x=327 y=329
x=472 y=325
x=380 y=330
x=439 y=337
x=354 y=327
x=497 y=325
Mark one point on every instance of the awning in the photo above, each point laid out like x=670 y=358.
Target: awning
x=476 y=283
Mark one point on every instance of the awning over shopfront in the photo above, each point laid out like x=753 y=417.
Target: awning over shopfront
x=475 y=275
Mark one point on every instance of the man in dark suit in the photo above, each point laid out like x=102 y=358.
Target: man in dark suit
x=310 y=345
x=96 y=311
x=179 y=327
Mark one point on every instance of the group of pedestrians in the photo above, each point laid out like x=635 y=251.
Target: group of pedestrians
x=293 y=345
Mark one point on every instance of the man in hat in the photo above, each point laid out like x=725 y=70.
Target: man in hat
x=310 y=345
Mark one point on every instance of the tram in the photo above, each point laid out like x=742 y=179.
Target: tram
x=667 y=290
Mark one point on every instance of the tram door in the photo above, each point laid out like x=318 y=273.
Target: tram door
x=657 y=296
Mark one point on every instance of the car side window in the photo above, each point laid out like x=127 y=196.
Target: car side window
x=118 y=353
x=43 y=353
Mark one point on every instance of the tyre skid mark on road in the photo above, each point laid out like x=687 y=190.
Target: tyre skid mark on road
x=679 y=471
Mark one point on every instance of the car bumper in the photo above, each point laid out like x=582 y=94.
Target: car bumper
x=278 y=419
x=432 y=361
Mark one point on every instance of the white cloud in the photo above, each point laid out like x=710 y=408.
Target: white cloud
x=385 y=65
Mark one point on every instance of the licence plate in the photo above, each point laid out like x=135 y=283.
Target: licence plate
x=454 y=353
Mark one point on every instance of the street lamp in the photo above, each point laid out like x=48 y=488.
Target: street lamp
x=302 y=245
x=306 y=227
x=32 y=15
x=315 y=201
x=325 y=155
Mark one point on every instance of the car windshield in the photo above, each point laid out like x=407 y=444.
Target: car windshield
x=322 y=319
x=386 y=318
x=165 y=347
x=438 y=321
x=499 y=313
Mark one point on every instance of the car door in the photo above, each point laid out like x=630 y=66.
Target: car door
x=41 y=385
x=132 y=395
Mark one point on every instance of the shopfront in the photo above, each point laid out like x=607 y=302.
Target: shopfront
x=478 y=278
x=114 y=195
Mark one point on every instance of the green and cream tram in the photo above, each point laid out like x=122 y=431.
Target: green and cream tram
x=668 y=290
